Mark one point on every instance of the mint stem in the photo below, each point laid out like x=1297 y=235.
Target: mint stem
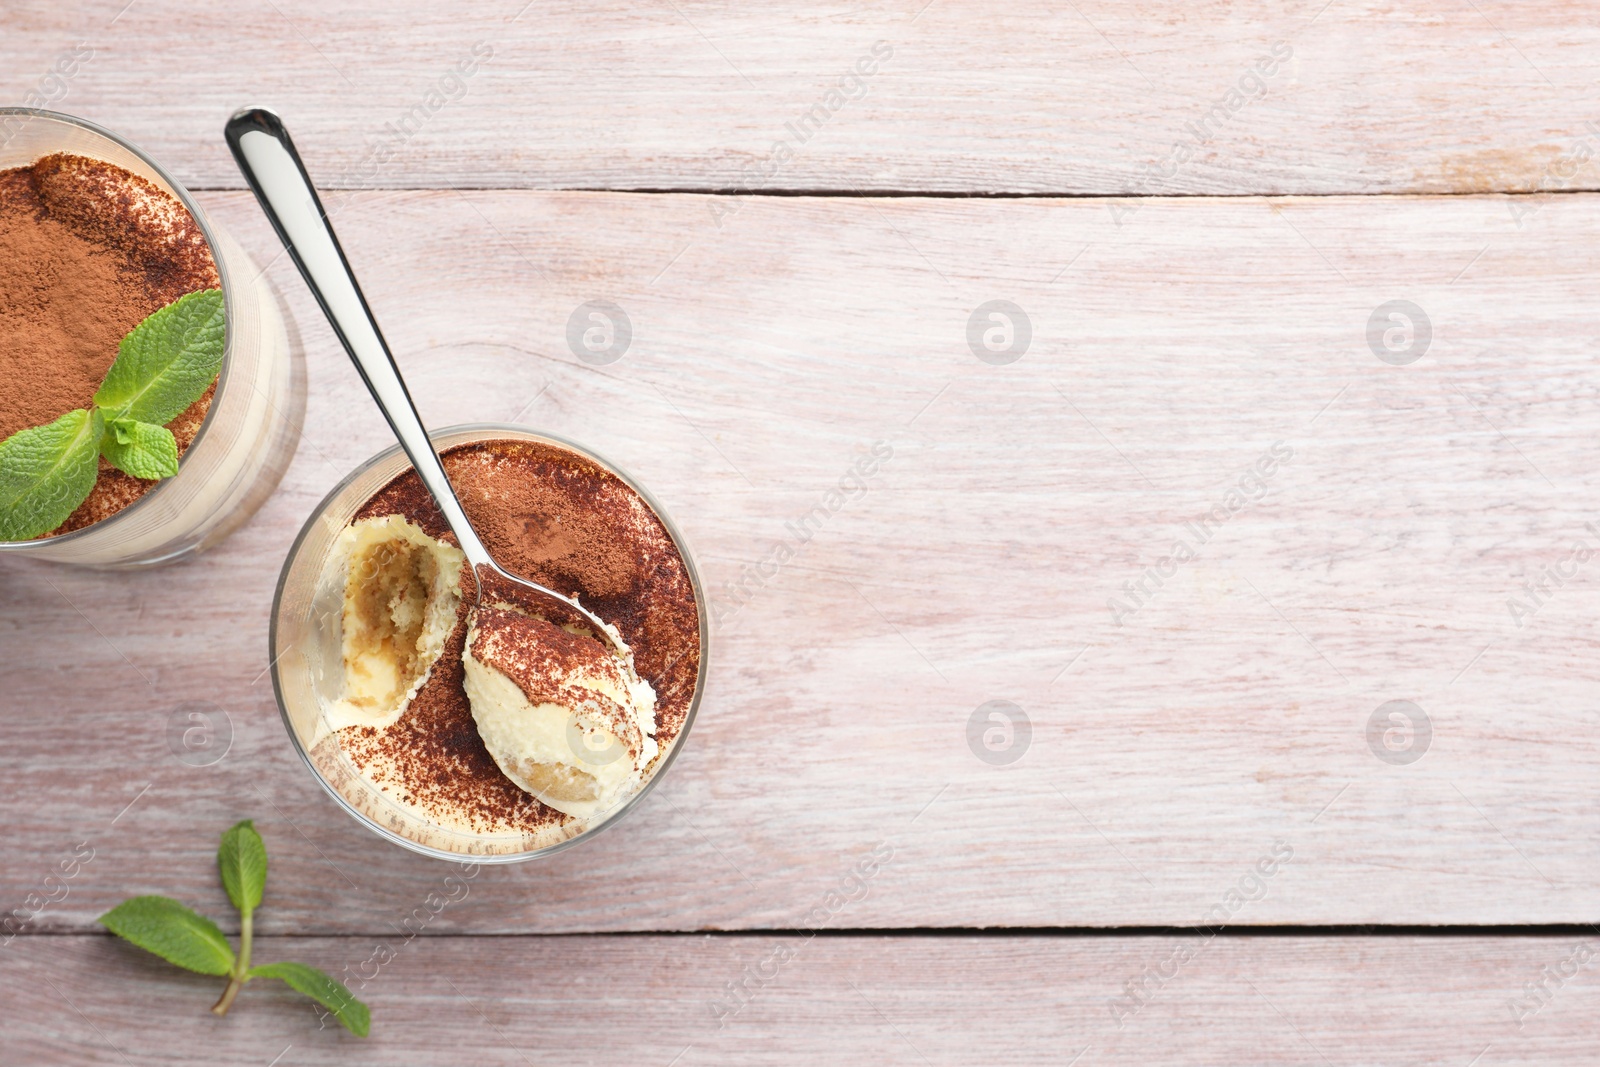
x=241 y=966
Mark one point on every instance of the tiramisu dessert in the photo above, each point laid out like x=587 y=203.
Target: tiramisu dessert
x=491 y=719
x=88 y=254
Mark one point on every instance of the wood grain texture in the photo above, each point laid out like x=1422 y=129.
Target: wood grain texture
x=1168 y=754
x=914 y=1001
x=1438 y=96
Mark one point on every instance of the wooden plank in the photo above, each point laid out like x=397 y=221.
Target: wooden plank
x=1229 y=713
x=926 y=1000
x=1073 y=98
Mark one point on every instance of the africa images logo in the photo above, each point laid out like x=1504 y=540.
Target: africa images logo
x=851 y=85
x=1250 y=86
x=1252 y=486
x=753 y=577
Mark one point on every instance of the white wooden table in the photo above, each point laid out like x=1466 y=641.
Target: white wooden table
x=1194 y=311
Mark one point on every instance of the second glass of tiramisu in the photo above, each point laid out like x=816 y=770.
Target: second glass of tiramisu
x=152 y=395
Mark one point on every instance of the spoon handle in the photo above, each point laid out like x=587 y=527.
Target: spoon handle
x=266 y=155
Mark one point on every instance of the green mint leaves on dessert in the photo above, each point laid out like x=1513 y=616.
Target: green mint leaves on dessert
x=178 y=935
x=165 y=364
x=46 y=472
x=141 y=449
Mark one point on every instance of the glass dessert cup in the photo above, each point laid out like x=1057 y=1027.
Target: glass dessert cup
x=307 y=662
x=250 y=432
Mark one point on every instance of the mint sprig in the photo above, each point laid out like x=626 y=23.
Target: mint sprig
x=184 y=937
x=166 y=363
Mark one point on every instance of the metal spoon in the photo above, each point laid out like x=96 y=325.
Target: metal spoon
x=267 y=156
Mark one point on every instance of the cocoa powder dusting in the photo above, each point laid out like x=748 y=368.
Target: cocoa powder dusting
x=553 y=517
x=87 y=252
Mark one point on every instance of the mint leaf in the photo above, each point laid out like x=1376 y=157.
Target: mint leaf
x=178 y=935
x=242 y=859
x=165 y=927
x=141 y=449
x=46 y=472
x=324 y=989
x=167 y=362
